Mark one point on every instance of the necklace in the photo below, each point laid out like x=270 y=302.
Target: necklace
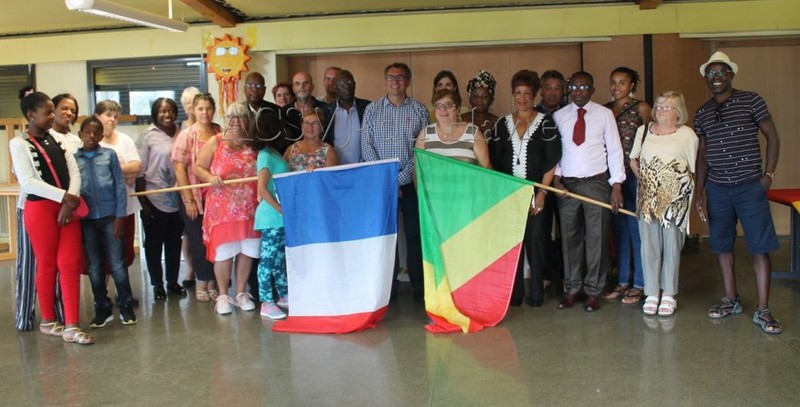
x=662 y=132
x=447 y=136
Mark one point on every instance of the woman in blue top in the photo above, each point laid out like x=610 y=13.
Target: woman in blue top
x=269 y=218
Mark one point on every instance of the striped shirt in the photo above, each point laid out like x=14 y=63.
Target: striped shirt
x=731 y=136
x=461 y=149
x=389 y=131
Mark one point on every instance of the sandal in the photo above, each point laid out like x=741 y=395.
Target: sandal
x=202 y=296
x=75 y=335
x=763 y=319
x=727 y=307
x=52 y=328
x=633 y=296
x=617 y=292
x=213 y=293
x=667 y=307
x=650 y=305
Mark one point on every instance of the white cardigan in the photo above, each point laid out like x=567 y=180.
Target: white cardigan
x=30 y=182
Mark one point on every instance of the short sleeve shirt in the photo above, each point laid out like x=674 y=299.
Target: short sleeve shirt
x=266 y=216
x=126 y=152
x=731 y=136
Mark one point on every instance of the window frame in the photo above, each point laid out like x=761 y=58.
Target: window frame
x=92 y=66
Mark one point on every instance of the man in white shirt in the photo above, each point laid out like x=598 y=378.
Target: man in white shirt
x=591 y=165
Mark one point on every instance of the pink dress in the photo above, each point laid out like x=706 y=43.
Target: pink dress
x=230 y=210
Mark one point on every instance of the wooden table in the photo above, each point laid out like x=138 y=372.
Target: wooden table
x=10 y=193
x=790 y=197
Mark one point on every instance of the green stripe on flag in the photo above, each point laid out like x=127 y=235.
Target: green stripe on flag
x=457 y=193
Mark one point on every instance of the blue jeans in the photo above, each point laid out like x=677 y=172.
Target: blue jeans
x=626 y=236
x=99 y=244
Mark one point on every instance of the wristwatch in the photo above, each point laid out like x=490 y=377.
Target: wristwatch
x=771 y=175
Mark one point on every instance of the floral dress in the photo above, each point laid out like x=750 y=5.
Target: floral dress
x=299 y=161
x=230 y=209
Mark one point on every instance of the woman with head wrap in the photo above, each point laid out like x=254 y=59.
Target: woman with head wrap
x=481 y=96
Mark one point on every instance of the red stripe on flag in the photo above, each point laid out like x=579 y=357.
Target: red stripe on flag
x=440 y=325
x=335 y=324
x=484 y=298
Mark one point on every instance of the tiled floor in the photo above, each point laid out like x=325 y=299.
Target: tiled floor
x=182 y=354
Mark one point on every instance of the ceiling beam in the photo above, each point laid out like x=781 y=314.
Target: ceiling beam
x=214 y=11
x=645 y=4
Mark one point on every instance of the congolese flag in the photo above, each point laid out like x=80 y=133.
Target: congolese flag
x=341 y=233
x=472 y=222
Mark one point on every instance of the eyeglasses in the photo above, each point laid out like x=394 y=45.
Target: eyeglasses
x=583 y=88
x=346 y=82
x=444 y=106
x=719 y=73
x=718 y=114
x=396 y=78
x=664 y=108
x=254 y=86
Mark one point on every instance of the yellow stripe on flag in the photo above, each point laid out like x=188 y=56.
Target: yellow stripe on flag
x=484 y=240
x=440 y=301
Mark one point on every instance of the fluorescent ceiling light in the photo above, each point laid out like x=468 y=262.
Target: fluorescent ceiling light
x=117 y=11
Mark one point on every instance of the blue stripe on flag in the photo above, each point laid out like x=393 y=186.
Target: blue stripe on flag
x=339 y=204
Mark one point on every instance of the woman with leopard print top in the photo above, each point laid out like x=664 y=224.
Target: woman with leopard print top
x=663 y=159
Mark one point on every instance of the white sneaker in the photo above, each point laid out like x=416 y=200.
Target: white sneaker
x=245 y=302
x=271 y=311
x=224 y=305
x=283 y=302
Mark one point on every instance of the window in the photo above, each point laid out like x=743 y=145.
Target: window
x=137 y=83
x=12 y=79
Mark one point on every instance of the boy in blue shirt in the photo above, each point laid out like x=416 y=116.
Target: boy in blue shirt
x=103 y=188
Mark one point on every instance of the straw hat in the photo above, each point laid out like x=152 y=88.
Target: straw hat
x=722 y=58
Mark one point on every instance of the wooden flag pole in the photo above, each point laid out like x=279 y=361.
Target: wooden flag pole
x=581 y=198
x=251 y=179
x=185 y=187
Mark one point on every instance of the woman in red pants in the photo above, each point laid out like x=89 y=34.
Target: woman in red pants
x=50 y=181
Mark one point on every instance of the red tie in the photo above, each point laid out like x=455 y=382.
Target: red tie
x=579 y=133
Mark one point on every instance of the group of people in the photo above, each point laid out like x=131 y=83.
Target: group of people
x=626 y=154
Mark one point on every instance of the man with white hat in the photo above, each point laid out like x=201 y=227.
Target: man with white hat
x=731 y=177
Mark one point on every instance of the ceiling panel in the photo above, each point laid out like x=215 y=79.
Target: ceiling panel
x=53 y=16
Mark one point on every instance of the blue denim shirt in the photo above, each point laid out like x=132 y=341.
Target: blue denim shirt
x=102 y=184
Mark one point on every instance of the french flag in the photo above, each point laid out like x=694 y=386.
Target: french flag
x=341 y=235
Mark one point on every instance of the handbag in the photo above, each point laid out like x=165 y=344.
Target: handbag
x=82 y=210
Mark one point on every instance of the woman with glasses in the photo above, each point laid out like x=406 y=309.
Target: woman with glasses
x=451 y=138
x=230 y=208
x=527 y=145
x=630 y=113
x=663 y=158
x=310 y=152
x=185 y=151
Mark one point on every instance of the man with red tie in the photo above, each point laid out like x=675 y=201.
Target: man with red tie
x=591 y=165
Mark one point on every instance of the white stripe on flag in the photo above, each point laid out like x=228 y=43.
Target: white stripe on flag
x=340 y=278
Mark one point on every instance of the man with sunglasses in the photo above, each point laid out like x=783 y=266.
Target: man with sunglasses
x=343 y=119
x=732 y=181
x=391 y=125
x=592 y=166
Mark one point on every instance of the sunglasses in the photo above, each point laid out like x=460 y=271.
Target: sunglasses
x=584 y=88
x=717 y=73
